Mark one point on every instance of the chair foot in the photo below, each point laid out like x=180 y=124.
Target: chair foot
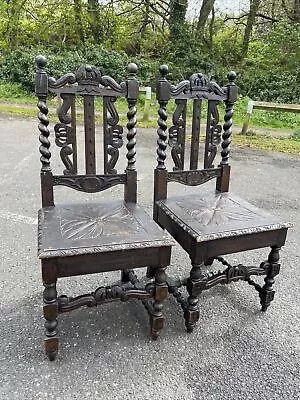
x=266 y=297
x=273 y=267
x=50 y=313
x=191 y=314
x=156 y=324
x=51 y=348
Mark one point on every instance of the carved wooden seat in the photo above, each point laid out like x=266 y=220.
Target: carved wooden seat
x=100 y=235
x=208 y=224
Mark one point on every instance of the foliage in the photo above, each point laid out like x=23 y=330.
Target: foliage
x=18 y=65
x=109 y=34
x=272 y=70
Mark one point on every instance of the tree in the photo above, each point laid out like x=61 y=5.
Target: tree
x=206 y=9
x=254 y=5
x=78 y=13
x=178 y=9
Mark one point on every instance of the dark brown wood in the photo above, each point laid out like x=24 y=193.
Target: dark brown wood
x=213 y=134
x=74 y=136
x=89 y=184
x=112 y=135
x=177 y=134
x=47 y=189
x=209 y=225
x=89 y=130
x=130 y=191
x=195 y=134
x=65 y=133
x=273 y=267
x=91 y=237
x=222 y=182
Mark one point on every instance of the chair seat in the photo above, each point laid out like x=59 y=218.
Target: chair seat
x=89 y=228
x=214 y=216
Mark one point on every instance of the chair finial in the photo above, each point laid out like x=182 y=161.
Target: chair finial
x=132 y=68
x=41 y=61
x=163 y=69
x=231 y=76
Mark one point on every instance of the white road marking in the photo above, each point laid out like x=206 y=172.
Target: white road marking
x=18 y=218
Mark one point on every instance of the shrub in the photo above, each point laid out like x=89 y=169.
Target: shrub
x=18 y=66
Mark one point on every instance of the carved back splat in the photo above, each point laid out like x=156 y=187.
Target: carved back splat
x=87 y=83
x=200 y=91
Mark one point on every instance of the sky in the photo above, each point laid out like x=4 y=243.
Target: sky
x=222 y=5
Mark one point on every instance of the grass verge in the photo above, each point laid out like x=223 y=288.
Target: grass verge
x=267 y=142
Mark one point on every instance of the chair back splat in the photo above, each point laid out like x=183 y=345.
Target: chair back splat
x=94 y=236
x=207 y=225
x=197 y=89
x=89 y=84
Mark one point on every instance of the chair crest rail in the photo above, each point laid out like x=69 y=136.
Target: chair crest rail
x=87 y=80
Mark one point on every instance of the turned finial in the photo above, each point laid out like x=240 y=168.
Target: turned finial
x=231 y=76
x=41 y=61
x=132 y=68
x=163 y=69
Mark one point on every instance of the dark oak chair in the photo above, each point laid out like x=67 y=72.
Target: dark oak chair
x=95 y=236
x=211 y=224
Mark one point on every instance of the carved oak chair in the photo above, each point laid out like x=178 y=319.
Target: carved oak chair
x=100 y=236
x=208 y=226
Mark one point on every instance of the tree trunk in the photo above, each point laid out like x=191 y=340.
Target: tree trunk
x=178 y=10
x=254 y=4
x=206 y=8
x=93 y=10
x=78 y=19
x=296 y=11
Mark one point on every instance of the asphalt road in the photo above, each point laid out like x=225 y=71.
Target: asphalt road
x=236 y=352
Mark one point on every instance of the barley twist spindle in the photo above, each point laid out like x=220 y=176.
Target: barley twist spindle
x=41 y=91
x=231 y=98
x=163 y=97
x=131 y=115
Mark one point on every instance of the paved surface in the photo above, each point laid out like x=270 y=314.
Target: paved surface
x=236 y=352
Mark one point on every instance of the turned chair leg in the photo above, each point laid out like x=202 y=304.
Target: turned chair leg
x=50 y=314
x=194 y=288
x=273 y=267
x=161 y=291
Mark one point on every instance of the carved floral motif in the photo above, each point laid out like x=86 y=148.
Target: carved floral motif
x=94 y=221
x=215 y=210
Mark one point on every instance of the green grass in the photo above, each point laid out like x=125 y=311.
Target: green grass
x=266 y=142
x=265 y=119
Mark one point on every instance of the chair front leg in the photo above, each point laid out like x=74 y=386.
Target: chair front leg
x=50 y=314
x=161 y=292
x=194 y=288
x=273 y=267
